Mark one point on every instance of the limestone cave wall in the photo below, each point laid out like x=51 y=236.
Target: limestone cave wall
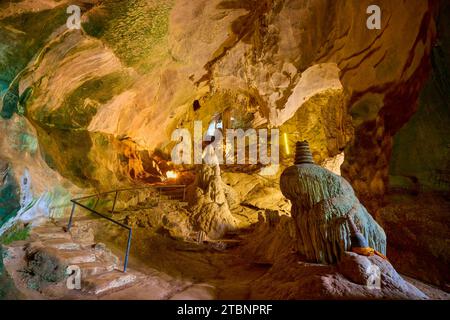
x=421 y=153
x=136 y=67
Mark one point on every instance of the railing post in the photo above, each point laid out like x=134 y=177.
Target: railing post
x=69 y=225
x=184 y=193
x=114 y=203
x=127 y=252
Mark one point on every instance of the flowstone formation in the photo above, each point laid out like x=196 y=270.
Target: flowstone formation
x=321 y=203
x=209 y=201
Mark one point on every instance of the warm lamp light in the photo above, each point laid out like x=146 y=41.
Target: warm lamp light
x=171 y=174
x=286 y=143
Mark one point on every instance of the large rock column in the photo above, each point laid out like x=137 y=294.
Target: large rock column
x=321 y=202
x=209 y=201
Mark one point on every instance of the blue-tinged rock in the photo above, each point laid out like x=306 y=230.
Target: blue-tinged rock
x=10 y=103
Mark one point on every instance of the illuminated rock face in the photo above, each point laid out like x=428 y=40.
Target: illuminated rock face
x=320 y=202
x=139 y=65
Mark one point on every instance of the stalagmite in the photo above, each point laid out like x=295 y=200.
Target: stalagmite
x=321 y=203
x=209 y=202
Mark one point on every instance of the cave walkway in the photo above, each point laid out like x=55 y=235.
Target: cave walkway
x=156 y=193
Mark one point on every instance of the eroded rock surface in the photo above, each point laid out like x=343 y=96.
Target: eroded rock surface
x=418 y=232
x=209 y=204
x=290 y=278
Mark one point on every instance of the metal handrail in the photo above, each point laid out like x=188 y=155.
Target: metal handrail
x=127 y=252
x=133 y=189
x=76 y=202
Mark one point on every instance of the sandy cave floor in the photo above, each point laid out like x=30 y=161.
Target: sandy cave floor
x=226 y=271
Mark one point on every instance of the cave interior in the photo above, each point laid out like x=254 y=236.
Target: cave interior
x=224 y=149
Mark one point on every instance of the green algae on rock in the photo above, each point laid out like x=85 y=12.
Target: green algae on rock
x=22 y=36
x=146 y=21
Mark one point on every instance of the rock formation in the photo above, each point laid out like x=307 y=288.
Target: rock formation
x=293 y=279
x=209 y=201
x=29 y=188
x=274 y=236
x=321 y=201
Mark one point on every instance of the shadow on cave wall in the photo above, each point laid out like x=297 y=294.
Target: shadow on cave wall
x=96 y=160
x=421 y=154
x=66 y=151
x=9 y=196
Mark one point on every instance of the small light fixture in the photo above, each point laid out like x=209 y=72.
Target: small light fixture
x=286 y=144
x=171 y=174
